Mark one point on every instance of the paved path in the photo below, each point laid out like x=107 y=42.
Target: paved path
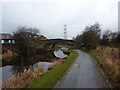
x=82 y=74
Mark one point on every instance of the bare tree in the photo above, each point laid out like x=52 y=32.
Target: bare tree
x=90 y=36
x=24 y=38
x=106 y=38
x=110 y=38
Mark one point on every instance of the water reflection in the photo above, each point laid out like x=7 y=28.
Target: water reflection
x=27 y=61
x=59 y=53
x=10 y=70
x=19 y=64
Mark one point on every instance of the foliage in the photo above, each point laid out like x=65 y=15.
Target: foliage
x=50 y=78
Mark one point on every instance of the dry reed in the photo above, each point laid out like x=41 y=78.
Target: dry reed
x=56 y=62
x=111 y=63
x=24 y=79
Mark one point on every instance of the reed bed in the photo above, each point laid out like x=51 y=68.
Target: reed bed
x=24 y=79
x=111 y=62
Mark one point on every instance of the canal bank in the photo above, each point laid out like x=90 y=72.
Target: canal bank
x=50 y=78
x=22 y=67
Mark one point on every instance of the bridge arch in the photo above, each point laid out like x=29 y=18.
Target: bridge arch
x=53 y=42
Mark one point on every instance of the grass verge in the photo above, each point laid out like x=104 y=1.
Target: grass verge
x=97 y=58
x=95 y=55
x=108 y=60
x=50 y=78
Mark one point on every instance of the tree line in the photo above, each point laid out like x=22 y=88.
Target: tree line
x=91 y=37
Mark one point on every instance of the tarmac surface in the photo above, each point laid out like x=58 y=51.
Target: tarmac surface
x=83 y=73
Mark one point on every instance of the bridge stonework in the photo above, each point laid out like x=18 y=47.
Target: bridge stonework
x=53 y=42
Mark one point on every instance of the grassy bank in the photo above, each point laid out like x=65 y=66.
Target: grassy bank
x=108 y=60
x=50 y=78
x=94 y=54
x=97 y=57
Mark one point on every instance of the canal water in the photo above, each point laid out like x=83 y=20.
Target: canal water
x=58 y=52
x=19 y=64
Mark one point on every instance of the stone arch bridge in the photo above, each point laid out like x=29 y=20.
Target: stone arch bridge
x=53 y=42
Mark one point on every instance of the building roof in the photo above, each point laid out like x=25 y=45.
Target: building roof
x=41 y=37
x=5 y=36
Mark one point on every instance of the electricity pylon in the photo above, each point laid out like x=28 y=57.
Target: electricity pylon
x=65 y=32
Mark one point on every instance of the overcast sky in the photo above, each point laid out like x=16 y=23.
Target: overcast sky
x=49 y=16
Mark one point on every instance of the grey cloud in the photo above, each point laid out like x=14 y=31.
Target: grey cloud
x=50 y=17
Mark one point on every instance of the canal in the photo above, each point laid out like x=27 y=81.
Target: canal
x=19 y=64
